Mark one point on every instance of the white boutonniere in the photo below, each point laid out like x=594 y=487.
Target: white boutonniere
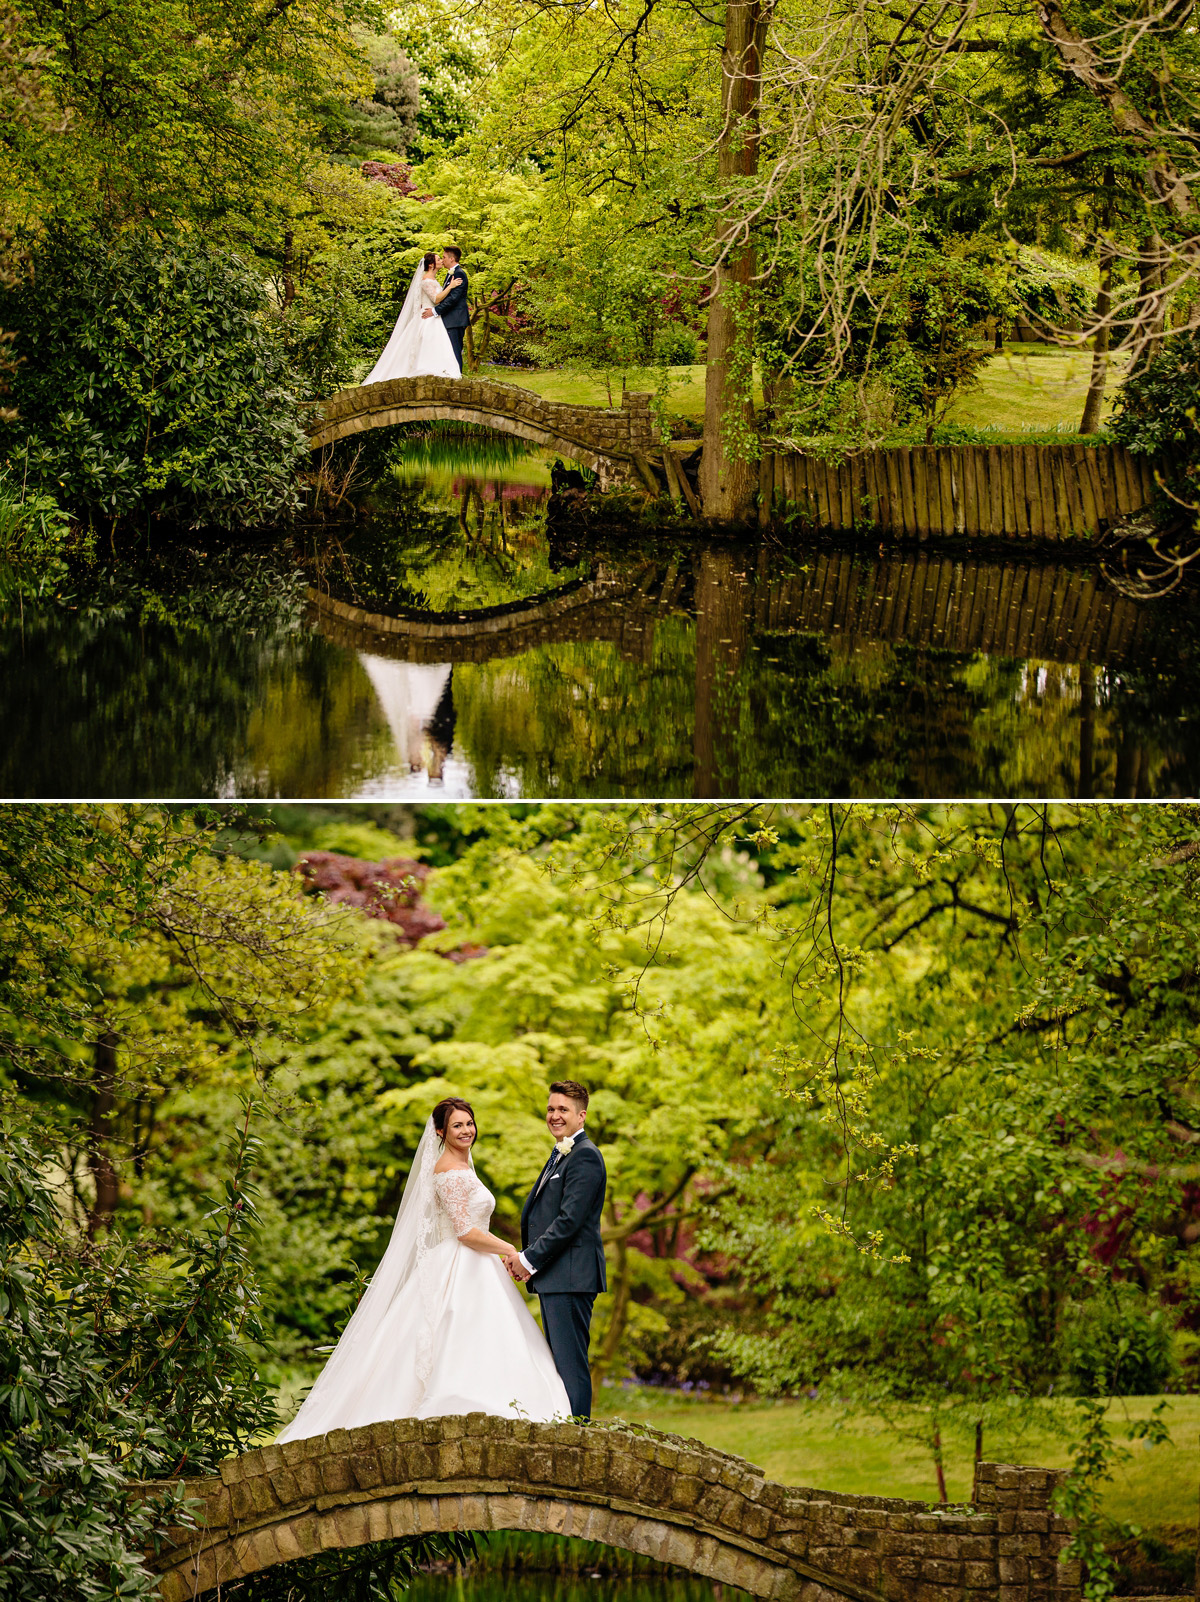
x=565 y=1146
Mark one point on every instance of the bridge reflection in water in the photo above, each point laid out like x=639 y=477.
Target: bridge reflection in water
x=742 y=605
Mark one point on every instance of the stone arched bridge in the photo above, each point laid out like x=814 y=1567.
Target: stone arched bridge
x=595 y=435
x=673 y=1500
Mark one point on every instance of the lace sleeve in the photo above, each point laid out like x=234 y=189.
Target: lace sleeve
x=454 y=1195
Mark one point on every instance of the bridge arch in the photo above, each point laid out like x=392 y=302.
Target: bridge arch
x=675 y=1500
x=597 y=436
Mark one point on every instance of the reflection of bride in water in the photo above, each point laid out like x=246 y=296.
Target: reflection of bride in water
x=417 y=700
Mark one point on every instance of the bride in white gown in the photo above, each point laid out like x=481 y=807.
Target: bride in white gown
x=441 y=1328
x=419 y=346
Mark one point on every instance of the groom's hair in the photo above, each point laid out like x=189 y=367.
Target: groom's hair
x=572 y=1089
x=453 y=250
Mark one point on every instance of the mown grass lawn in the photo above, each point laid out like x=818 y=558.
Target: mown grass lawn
x=826 y=1445
x=1026 y=388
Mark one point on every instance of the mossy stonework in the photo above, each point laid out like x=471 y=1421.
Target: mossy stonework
x=657 y=1495
x=595 y=435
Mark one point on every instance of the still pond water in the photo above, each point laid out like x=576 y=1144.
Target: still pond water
x=472 y=637
x=539 y=1586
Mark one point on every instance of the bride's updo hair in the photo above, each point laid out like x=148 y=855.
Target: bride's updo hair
x=441 y=1113
x=429 y=263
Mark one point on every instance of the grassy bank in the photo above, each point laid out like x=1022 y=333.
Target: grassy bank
x=823 y=1444
x=1025 y=388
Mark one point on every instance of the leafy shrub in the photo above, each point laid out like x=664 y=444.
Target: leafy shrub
x=151 y=383
x=339 y=320
x=1158 y=414
x=118 y=1362
x=676 y=345
x=909 y=342
x=1118 y=1345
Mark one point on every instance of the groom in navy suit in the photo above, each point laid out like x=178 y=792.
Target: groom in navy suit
x=452 y=308
x=562 y=1255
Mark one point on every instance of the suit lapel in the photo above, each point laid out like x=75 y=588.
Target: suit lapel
x=557 y=1157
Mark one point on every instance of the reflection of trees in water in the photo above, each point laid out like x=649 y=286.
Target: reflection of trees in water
x=414 y=555
x=712 y=712
x=101 y=708
x=582 y=720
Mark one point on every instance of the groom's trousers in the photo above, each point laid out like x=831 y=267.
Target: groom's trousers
x=566 y=1319
x=456 y=344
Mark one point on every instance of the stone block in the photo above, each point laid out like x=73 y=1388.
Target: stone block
x=833 y=1559
x=335 y=1475
x=287 y=1544
x=402 y=1517
x=1027 y=1521
x=241 y=1499
x=232 y=1469
x=217 y=1508
x=1013 y=1570
x=377 y=1521
x=366 y=1470
x=306 y=1474
x=940 y=1572
x=685 y=1491
x=449 y=1461
x=283 y=1483
x=269 y=1457
x=538 y=1465
x=1019 y=1546
x=306 y=1532
x=980 y=1576
x=421 y=1461
x=908 y=1568
x=353 y=1525
x=593 y=1468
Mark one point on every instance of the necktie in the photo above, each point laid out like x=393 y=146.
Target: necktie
x=550 y=1167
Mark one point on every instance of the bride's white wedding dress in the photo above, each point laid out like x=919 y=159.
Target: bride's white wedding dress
x=419 y=346
x=441 y=1328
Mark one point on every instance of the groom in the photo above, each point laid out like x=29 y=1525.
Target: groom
x=562 y=1256
x=452 y=308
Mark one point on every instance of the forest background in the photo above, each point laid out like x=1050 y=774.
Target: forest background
x=898 y=1106
x=209 y=215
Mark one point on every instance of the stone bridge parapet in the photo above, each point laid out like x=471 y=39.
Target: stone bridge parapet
x=598 y=436
x=673 y=1500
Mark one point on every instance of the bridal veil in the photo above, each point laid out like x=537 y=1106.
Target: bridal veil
x=407 y=1270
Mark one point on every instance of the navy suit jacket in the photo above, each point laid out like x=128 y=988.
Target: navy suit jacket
x=453 y=309
x=560 y=1224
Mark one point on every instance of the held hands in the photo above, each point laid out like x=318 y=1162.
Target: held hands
x=515 y=1270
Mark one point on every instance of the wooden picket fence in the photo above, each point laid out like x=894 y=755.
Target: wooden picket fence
x=1037 y=492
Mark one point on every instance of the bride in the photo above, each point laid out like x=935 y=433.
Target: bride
x=419 y=345
x=441 y=1328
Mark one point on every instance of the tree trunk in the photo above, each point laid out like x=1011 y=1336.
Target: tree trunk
x=1087 y=729
x=720 y=650
x=728 y=475
x=1103 y=338
x=104 y=1095
x=939 y=1460
x=1152 y=302
x=619 y=1315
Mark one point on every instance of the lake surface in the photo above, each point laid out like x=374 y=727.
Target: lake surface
x=470 y=636
x=547 y=1586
